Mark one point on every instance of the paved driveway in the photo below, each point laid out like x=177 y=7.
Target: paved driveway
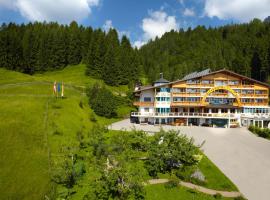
x=242 y=156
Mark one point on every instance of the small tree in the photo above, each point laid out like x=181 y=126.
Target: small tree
x=119 y=183
x=169 y=151
x=102 y=101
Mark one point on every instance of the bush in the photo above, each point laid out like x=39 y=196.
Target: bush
x=184 y=173
x=172 y=184
x=169 y=151
x=92 y=117
x=102 y=101
x=218 y=196
x=261 y=132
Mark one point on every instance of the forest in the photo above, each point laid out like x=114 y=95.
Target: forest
x=39 y=47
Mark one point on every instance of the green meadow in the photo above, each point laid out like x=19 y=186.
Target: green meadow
x=38 y=129
x=34 y=126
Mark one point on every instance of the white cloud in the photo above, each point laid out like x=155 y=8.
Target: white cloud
x=62 y=11
x=241 y=10
x=107 y=25
x=189 y=12
x=122 y=33
x=156 y=25
x=139 y=43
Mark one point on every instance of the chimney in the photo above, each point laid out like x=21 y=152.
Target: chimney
x=161 y=75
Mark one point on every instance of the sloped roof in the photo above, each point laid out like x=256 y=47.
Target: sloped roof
x=205 y=73
x=161 y=80
x=197 y=74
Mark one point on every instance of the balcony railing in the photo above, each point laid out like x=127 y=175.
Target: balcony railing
x=142 y=103
x=184 y=114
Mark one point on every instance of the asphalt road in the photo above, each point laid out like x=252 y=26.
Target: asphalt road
x=241 y=155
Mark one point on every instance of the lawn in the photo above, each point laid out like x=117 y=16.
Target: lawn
x=215 y=179
x=159 y=192
x=32 y=122
x=37 y=128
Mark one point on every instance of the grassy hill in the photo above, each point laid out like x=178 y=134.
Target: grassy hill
x=37 y=130
x=35 y=126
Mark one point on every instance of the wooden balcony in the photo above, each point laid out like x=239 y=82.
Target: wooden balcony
x=186 y=103
x=186 y=94
x=146 y=104
x=185 y=115
x=255 y=104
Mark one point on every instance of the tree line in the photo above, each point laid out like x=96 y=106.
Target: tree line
x=39 y=47
x=243 y=48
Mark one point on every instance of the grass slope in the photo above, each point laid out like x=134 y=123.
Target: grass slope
x=36 y=128
x=159 y=192
x=32 y=121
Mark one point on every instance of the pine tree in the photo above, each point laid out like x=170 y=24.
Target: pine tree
x=74 y=47
x=111 y=72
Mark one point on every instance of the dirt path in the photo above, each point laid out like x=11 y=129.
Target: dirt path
x=198 y=188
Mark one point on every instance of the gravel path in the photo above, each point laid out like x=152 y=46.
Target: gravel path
x=198 y=188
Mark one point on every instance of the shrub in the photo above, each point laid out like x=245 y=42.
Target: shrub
x=261 y=132
x=170 y=151
x=81 y=104
x=185 y=172
x=102 y=101
x=218 y=196
x=92 y=117
x=172 y=183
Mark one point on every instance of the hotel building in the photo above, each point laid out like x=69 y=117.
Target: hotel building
x=219 y=99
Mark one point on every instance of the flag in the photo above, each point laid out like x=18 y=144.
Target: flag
x=62 y=95
x=54 y=88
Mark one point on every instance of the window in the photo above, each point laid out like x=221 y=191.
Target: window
x=258 y=100
x=260 y=92
x=220 y=83
x=247 y=91
x=163 y=98
x=147 y=99
x=245 y=100
x=193 y=90
x=163 y=110
x=164 y=89
x=207 y=82
x=193 y=81
x=179 y=90
x=234 y=82
x=179 y=99
x=203 y=91
x=192 y=99
x=146 y=109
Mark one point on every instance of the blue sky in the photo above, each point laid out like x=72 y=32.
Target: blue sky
x=140 y=20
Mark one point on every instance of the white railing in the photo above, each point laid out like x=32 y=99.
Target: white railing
x=255 y=115
x=184 y=114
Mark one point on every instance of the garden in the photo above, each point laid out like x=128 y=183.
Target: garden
x=121 y=165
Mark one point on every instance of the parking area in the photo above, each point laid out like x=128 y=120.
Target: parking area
x=242 y=156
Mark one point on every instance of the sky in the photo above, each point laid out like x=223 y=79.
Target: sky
x=140 y=20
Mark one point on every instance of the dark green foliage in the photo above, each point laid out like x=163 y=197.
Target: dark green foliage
x=102 y=101
x=218 y=196
x=119 y=183
x=169 y=151
x=243 y=48
x=261 y=132
x=37 y=47
x=172 y=184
